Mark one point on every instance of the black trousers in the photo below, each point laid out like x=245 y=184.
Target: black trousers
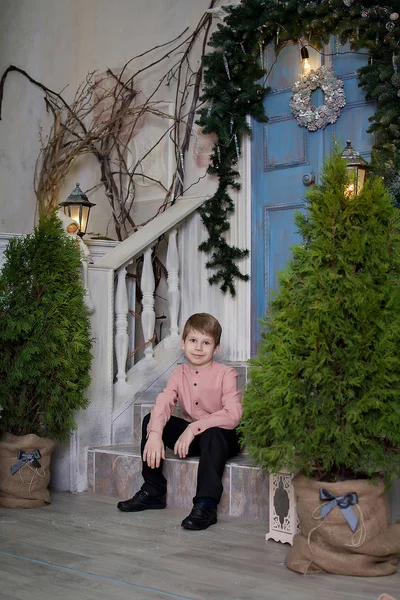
x=214 y=447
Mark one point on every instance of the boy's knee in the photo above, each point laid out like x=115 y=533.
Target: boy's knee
x=214 y=434
x=222 y=439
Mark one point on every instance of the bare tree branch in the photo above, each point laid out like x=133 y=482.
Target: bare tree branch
x=104 y=116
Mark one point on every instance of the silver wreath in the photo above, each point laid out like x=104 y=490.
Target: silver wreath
x=317 y=117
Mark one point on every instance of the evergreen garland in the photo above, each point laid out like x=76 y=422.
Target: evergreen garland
x=45 y=342
x=232 y=91
x=324 y=391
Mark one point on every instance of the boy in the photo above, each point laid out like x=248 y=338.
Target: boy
x=211 y=410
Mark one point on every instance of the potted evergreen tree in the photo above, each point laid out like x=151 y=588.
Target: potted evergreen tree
x=45 y=357
x=323 y=398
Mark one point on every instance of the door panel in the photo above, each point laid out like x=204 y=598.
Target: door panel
x=284 y=154
x=279 y=238
x=285 y=145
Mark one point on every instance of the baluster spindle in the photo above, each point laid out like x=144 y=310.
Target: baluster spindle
x=174 y=297
x=148 y=314
x=131 y=291
x=121 y=325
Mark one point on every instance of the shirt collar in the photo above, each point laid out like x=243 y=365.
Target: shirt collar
x=192 y=370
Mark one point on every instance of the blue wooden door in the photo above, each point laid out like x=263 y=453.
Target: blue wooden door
x=285 y=156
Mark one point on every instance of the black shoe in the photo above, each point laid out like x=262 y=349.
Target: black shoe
x=201 y=517
x=142 y=501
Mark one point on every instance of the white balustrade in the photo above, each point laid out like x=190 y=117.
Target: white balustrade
x=147 y=284
x=121 y=325
x=174 y=297
x=131 y=374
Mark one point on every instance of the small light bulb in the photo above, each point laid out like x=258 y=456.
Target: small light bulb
x=306 y=67
x=305 y=62
x=349 y=191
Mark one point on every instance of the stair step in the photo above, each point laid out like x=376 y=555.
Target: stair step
x=116 y=471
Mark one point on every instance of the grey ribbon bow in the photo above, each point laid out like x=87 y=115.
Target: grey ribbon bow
x=343 y=502
x=24 y=458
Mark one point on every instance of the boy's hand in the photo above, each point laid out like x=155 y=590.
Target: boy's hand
x=181 y=447
x=154 y=450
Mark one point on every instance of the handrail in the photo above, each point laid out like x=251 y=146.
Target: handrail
x=145 y=236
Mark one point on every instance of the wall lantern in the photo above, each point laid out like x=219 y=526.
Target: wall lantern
x=77 y=207
x=357 y=169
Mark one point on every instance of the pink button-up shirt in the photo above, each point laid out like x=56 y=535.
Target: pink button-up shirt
x=208 y=398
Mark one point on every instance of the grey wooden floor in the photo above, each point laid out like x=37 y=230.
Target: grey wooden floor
x=81 y=548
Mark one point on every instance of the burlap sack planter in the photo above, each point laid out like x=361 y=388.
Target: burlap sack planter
x=27 y=487
x=329 y=545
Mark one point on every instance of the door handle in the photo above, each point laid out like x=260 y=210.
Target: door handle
x=309 y=178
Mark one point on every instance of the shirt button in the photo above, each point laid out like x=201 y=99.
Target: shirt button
x=197 y=372
x=196 y=403
x=198 y=429
x=195 y=384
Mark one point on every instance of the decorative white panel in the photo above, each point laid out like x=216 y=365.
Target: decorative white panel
x=283 y=521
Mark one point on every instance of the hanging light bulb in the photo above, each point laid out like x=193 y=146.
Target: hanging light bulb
x=305 y=61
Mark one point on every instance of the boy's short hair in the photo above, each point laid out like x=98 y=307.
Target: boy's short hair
x=204 y=323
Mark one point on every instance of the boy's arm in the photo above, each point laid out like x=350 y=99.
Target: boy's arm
x=164 y=405
x=231 y=413
x=163 y=408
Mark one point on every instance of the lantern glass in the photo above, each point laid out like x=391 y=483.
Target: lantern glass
x=78 y=213
x=351 y=188
x=361 y=177
x=356 y=168
x=357 y=176
x=77 y=207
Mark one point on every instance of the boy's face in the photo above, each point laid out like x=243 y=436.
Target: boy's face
x=199 y=349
